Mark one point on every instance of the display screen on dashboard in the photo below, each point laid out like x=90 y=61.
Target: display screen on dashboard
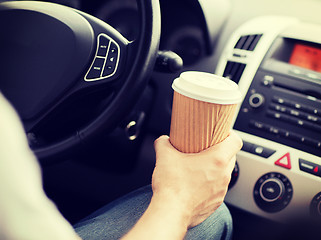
x=306 y=56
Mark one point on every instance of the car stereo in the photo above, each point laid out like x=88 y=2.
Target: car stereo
x=277 y=63
x=283 y=102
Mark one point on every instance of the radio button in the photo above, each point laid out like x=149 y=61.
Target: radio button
x=258 y=125
x=257 y=149
x=273 y=114
x=294 y=120
x=262 y=151
x=284 y=133
x=313 y=110
x=268 y=80
x=313 y=118
x=292 y=104
x=280 y=100
x=278 y=115
x=277 y=107
x=301 y=123
x=295 y=105
x=273 y=130
x=294 y=112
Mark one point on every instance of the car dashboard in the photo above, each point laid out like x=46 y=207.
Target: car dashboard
x=276 y=62
x=274 y=54
x=272 y=50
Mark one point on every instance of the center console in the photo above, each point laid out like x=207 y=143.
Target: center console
x=277 y=63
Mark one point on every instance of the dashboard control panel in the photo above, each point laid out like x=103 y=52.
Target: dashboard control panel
x=276 y=62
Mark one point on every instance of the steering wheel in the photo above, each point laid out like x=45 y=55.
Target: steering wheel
x=51 y=53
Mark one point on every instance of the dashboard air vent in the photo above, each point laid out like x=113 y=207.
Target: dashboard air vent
x=234 y=70
x=248 y=42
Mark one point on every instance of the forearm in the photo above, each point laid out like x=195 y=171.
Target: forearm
x=163 y=219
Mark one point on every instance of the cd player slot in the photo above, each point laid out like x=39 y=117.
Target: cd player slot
x=298 y=88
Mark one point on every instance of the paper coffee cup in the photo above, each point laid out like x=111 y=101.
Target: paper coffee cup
x=203 y=110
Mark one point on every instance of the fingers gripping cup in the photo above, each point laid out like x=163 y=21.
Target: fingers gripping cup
x=204 y=105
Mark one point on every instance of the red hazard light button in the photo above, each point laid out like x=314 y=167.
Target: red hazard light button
x=284 y=161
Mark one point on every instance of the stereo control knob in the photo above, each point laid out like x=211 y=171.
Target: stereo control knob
x=256 y=100
x=272 y=192
x=315 y=206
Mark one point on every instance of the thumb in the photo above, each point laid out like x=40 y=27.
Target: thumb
x=163 y=148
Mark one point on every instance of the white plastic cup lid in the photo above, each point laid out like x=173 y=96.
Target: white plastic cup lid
x=207 y=87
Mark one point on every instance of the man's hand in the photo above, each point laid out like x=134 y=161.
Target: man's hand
x=196 y=183
x=187 y=188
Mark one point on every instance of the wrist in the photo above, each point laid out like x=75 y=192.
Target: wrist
x=163 y=219
x=175 y=208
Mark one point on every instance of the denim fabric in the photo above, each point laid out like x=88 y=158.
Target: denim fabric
x=116 y=219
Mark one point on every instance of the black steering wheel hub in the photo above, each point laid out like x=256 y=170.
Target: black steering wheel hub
x=52 y=55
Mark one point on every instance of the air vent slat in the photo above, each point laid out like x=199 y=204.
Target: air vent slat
x=240 y=42
x=228 y=68
x=254 y=42
x=239 y=72
x=234 y=70
x=248 y=42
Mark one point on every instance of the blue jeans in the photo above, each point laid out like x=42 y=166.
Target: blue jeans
x=116 y=219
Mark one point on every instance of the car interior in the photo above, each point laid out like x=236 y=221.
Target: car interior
x=92 y=83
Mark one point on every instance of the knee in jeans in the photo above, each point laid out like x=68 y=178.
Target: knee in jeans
x=217 y=226
x=225 y=218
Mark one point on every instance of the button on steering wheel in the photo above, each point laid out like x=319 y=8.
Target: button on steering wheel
x=50 y=54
